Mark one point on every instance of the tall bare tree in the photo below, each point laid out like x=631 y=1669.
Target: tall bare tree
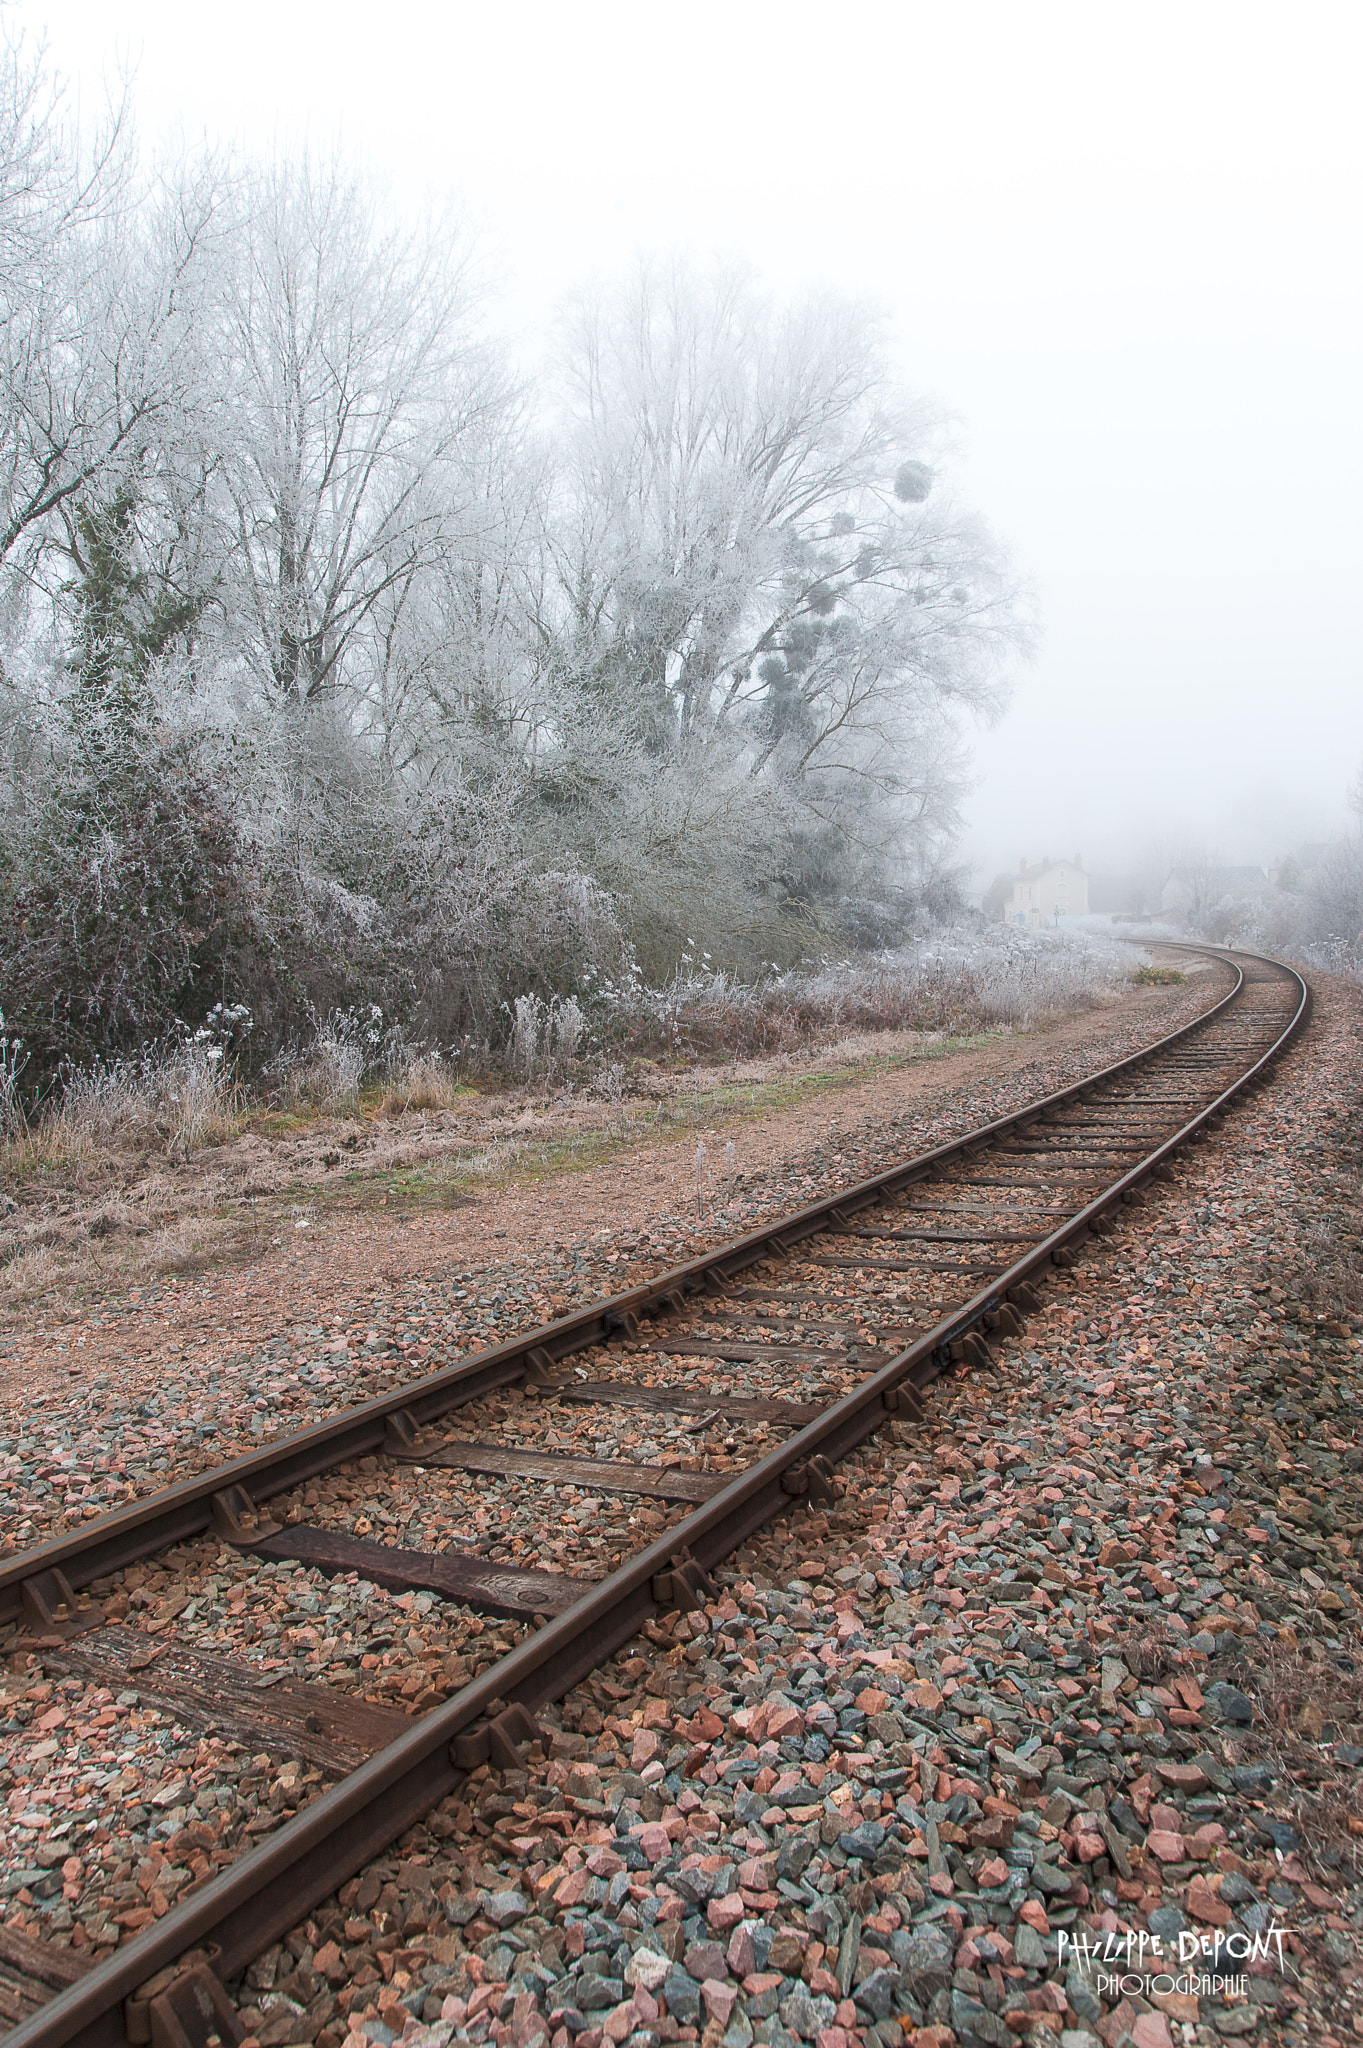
x=358 y=382
x=754 y=552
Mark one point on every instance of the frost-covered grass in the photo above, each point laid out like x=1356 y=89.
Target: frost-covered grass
x=174 y=1099
x=954 y=981
x=351 y=1049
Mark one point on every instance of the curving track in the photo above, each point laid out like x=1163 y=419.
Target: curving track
x=836 y=1318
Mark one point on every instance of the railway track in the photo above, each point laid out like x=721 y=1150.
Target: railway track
x=738 y=1381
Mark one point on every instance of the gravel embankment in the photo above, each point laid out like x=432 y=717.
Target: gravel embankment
x=1076 y=1661
x=1024 y=1683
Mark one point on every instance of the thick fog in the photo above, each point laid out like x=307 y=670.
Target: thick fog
x=1120 y=245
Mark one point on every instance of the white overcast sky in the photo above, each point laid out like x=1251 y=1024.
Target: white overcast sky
x=1119 y=240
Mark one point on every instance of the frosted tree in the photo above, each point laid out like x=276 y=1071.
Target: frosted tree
x=357 y=378
x=97 y=310
x=761 y=584
x=754 y=546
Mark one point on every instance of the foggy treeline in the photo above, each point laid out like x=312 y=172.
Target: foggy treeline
x=1307 y=903
x=345 y=665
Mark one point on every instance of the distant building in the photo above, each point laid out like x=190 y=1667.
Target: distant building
x=1192 y=890
x=1044 y=894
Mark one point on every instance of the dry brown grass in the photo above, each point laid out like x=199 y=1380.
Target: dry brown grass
x=1331 y=1279
x=1308 y=1698
x=426 y=1086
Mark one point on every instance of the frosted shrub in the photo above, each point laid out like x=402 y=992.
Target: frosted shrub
x=545 y=1035
x=568 y=1026
x=956 y=980
x=328 y=1072
x=526 y=1032
x=13 y=1060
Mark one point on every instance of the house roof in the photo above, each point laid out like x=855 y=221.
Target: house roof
x=1043 y=867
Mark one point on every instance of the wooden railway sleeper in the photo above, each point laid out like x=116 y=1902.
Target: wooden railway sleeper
x=184 y=2006
x=499 y=1740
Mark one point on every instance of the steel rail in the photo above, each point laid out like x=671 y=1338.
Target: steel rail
x=176 y=1514
x=241 y=1911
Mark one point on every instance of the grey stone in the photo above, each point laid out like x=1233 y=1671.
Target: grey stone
x=1213 y=1770
x=506 y=1907
x=682 y=1994
x=975 y=2026
x=864 y=1841
x=1082 y=1997
x=885 y=1726
x=1046 y=1878
x=1228 y=1703
x=1029 y=1949
x=1168 y=1922
x=793 y=1857
x=738 y=2033
x=1252 y=1778
x=797 y=2013
x=1236 y=1890
x=696 y=1886
x=599 y=1994
x=1241 y=2019
x=927 y=1960
x=847 y=1954
x=876 y=1995
x=805 y=2015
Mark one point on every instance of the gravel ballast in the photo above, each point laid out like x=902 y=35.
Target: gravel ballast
x=1072 y=1663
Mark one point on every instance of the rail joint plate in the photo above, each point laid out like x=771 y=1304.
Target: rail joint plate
x=238 y=1520
x=52 y=1608
x=184 y=2006
x=685 y=1587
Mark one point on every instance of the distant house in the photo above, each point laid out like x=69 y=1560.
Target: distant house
x=1193 y=889
x=1043 y=894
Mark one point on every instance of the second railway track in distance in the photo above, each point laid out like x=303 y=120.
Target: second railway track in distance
x=740 y=1378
